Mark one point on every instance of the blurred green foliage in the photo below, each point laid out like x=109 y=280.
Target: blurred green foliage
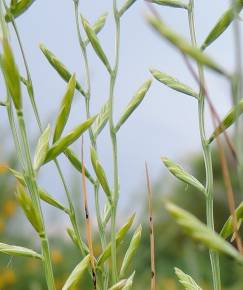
x=173 y=248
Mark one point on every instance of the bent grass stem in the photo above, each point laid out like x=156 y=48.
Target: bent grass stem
x=214 y=257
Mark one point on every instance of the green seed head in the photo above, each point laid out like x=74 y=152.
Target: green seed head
x=11 y=75
x=65 y=108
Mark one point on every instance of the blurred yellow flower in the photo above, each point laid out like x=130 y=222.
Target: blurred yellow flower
x=9 y=277
x=3 y=168
x=56 y=256
x=9 y=208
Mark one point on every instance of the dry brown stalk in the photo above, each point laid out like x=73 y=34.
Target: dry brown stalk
x=151 y=225
x=87 y=219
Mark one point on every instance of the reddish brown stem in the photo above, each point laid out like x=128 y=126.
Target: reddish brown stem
x=223 y=160
x=87 y=219
x=151 y=225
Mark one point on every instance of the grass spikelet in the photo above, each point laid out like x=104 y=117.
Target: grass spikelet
x=170 y=3
x=119 y=238
x=11 y=74
x=133 y=104
x=65 y=108
x=186 y=280
x=101 y=120
x=41 y=149
x=131 y=251
x=125 y=6
x=223 y=23
x=100 y=23
x=59 y=67
x=97 y=26
x=200 y=232
x=173 y=83
x=77 y=164
x=95 y=43
x=45 y=196
x=18 y=251
x=28 y=208
x=227 y=121
x=181 y=174
x=129 y=282
x=62 y=144
x=228 y=228
x=185 y=47
x=100 y=173
x=77 y=274
x=119 y=285
x=18 y=9
x=18 y=175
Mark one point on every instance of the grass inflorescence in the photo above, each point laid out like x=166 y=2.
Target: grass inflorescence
x=102 y=267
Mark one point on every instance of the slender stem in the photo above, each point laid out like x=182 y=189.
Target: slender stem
x=113 y=77
x=33 y=189
x=238 y=93
x=72 y=214
x=11 y=120
x=214 y=258
x=151 y=226
x=93 y=142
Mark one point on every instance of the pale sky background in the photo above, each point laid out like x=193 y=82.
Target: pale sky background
x=164 y=124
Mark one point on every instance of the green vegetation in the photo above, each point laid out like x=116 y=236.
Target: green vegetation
x=109 y=258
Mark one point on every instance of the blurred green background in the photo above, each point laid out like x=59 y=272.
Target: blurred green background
x=173 y=248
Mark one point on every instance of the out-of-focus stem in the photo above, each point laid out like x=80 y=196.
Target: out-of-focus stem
x=113 y=77
x=206 y=154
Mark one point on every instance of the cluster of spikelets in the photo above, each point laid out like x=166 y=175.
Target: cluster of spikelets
x=50 y=146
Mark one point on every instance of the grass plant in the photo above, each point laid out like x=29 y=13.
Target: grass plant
x=103 y=268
